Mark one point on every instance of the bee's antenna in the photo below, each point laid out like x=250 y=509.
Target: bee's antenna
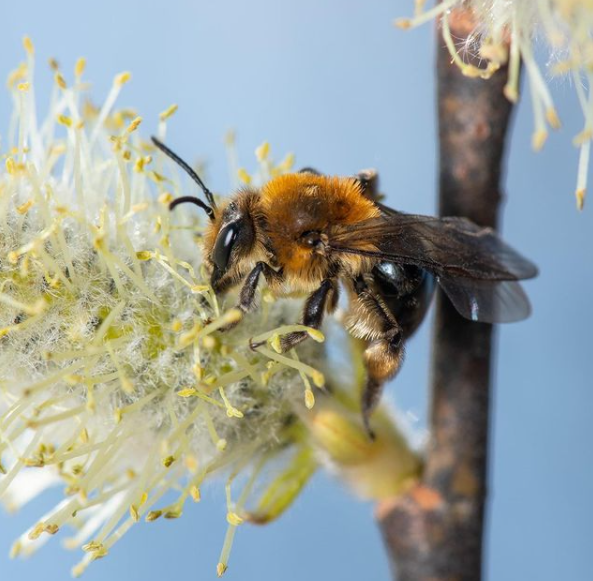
x=183 y=199
x=193 y=175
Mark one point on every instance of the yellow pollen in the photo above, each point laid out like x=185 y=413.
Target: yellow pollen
x=233 y=519
x=79 y=67
x=195 y=493
x=122 y=78
x=64 y=120
x=153 y=515
x=10 y=166
x=221 y=569
x=244 y=176
x=165 y=198
x=28 y=45
x=24 y=208
x=168 y=112
x=134 y=124
x=263 y=151
x=60 y=81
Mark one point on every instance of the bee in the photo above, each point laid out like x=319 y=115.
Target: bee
x=320 y=235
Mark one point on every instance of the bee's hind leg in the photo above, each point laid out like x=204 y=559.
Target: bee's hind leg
x=384 y=353
x=382 y=360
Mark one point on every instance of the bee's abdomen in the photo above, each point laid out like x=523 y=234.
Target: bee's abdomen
x=407 y=291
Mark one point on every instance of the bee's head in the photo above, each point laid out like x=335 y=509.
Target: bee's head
x=230 y=234
x=228 y=243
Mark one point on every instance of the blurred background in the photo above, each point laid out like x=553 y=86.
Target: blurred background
x=335 y=83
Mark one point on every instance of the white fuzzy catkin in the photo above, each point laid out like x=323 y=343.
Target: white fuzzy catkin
x=507 y=31
x=113 y=380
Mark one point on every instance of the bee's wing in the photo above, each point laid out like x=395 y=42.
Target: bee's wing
x=474 y=267
x=487 y=301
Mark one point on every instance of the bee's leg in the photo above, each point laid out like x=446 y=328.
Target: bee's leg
x=369 y=182
x=315 y=308
x=247 y=302
x=384 y=353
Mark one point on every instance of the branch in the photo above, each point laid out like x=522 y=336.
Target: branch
x=435 y=531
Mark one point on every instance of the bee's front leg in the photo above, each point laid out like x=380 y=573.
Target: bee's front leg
x=316 y=306
x=247 y=302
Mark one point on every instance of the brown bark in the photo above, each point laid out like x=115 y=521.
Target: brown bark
x=435 y=532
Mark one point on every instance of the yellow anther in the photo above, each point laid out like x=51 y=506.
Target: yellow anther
x=51 y=529
x=28 y=45
x=53 y=64
x=157 y=177
x=99 y=553
x=316 y=335
x=403 y=23
x=233 y=519
x=153 y=515
x=195 y=493
x=168 y=112
x=173 y=513
x=176 y=326
x=122 y=78
x=79 y=67
x=64 y=120
x=244 y=176
x=580 y=196
x=318 y=378
x=538 y=139
x=143 y=498
x=263 y=151
x=221 y=569
x=511 y=93
x=134 y=124
x=10 y=166
x=24 y=208
x=24 y=87
x=187 y=392
x=552 y=118
x=221 y=444
x=15 y=550
x=144 y=255
x=287 y=163
x=309 y=399
x=36 y=531
x=276 y=343
x=60 y=81
x=168 y=461
x=165 y=198
x=134 y=513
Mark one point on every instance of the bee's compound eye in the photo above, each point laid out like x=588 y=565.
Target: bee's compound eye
x=224 y=245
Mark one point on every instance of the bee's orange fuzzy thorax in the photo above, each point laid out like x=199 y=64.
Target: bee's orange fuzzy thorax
x=297 y=203
x=324 y=200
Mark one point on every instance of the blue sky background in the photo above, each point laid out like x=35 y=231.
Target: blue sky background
x=334 y=82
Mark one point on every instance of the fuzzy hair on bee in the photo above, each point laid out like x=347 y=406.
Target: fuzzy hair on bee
x=317 y=235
